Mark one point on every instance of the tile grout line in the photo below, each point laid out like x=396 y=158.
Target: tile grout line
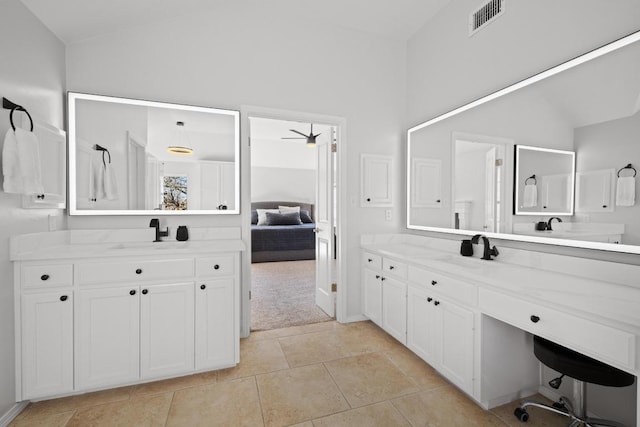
x=337 y=385
x=173 y=395
x=255 y=381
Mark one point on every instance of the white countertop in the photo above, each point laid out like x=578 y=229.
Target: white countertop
x=82 y=244
x=579 y=295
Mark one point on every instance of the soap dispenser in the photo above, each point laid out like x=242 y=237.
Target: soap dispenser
x=182 y=234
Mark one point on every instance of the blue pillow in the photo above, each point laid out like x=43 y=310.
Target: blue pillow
x=305 y=217
x=289 y=218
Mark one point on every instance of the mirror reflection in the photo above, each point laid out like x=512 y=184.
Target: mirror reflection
x=555 y=146
x=142 y=157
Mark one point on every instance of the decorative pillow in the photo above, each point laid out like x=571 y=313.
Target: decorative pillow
x=254 y=217
x=286 y=209
x=305 y=217
x=262 y=219
x=289 y=218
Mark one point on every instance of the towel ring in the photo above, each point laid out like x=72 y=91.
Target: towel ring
x=19 y=109
x=533 y=177
x=104 y=150
x=628 y=167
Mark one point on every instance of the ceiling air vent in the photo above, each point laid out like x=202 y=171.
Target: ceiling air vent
x=483 y=15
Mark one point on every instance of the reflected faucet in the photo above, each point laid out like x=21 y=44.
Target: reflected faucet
x=155 y=222
x=488 y=250
x=550 y=219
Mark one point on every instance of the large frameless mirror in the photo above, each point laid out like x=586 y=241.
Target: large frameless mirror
x=135 y=157
x=561 y=144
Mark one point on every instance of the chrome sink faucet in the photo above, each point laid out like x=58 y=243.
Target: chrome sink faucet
x=155 y=222
x=488 y=250
x=551 y=219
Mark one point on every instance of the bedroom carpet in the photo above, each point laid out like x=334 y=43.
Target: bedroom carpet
x=283 y=294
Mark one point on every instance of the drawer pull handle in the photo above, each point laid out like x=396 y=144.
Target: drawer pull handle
x=63 y=298
x=436 y=302
x=216 y=267
x=44 y=277
x=535 y=319
x=203 y=287
x=434 y=282
x=132 y=292
x=391 y=267
x=139 y=271
x=145 y=291
x=429 y=299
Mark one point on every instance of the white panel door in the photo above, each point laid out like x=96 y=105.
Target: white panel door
x=423 y=326
x=107 y=336
x=324 y=226
x=394 y=308
x=47 y=344
x=456 y=344
x=214 y=327
x=166 y=329
x=372 y=295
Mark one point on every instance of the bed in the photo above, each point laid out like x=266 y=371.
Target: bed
x=291 y=242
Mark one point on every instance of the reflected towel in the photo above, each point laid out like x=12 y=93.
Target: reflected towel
x=626 y=191
x=109 y=181
x=530 y=196
x=104 y=182
x=10 y=164
x=29 y=160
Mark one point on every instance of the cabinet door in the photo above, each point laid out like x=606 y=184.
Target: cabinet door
x=594 y=191
x=107 y=336
x=227 y=185
x=456 y=344
x=394 y=308
x=426 y=183
x=215 y=329
x=423 y=326
x=47 y=344
x=556 y=193
x=166 y=329
x=376 y=181
x=372 y=295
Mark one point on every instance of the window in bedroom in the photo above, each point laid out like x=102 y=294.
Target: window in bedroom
x=174 y=192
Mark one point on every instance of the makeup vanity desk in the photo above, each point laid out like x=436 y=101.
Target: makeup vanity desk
x=473 y=320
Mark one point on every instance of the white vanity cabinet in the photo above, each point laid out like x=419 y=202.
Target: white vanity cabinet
x=440 y=330
x=87 y=324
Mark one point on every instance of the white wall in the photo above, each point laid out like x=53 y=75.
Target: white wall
x=261 y=57
x=32 y=74
x=290 y=184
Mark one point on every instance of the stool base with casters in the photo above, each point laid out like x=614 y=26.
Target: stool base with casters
x=583 y=370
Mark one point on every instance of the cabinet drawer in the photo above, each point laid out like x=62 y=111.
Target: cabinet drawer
x=219 y=265
x=463 y=292
x=396 y=268
x=132 y=271
x=372 y=260
x=593 y=339
x=47 y=275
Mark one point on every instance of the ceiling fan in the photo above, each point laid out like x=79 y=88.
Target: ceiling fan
x=311 y=138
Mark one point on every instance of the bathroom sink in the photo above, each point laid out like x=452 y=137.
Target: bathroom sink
x=146 y=246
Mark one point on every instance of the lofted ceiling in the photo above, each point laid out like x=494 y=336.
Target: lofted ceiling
x=76 y=20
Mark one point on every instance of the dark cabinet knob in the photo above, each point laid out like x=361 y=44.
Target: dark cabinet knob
x=139 y=271
x=383 y=278
x=369 y=260
x=132 y=292
x=145 y=291
x=368 y=199
x=216 y=267
x=535 y=319
x=429 y=299
x=40 y=197
x=203 y=287
x=544 y=207
x=434 y=282
x=604 y=206
x=63 y=298
x=436 y=302
x=391 y=267
x=438 y=201
x=44 y=277
x=377 y=276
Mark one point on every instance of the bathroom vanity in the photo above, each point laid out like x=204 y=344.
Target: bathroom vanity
x=105 y=308
x=473 y=320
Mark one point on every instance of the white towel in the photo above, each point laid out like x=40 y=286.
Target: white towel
x=530 y=196
x=626 y=191
x=109 y=180
x=10 y=164
x=104 y=181
x=29 y=160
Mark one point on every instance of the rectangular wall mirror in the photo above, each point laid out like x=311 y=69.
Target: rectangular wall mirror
x=135 y=157
x=553 y=145
x=544 y=181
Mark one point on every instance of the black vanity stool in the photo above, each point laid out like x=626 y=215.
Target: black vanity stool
x=583 y=370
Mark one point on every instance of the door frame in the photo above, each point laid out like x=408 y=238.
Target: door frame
x=340 y=123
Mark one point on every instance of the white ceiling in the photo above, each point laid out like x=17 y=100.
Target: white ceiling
x=75 y=20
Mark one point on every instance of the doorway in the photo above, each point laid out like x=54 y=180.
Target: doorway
x=294 y=222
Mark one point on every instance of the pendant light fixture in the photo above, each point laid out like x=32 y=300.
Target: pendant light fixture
x=183 y=149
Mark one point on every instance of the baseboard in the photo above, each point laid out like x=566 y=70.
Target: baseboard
x=12 y=413
x=356 y=318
